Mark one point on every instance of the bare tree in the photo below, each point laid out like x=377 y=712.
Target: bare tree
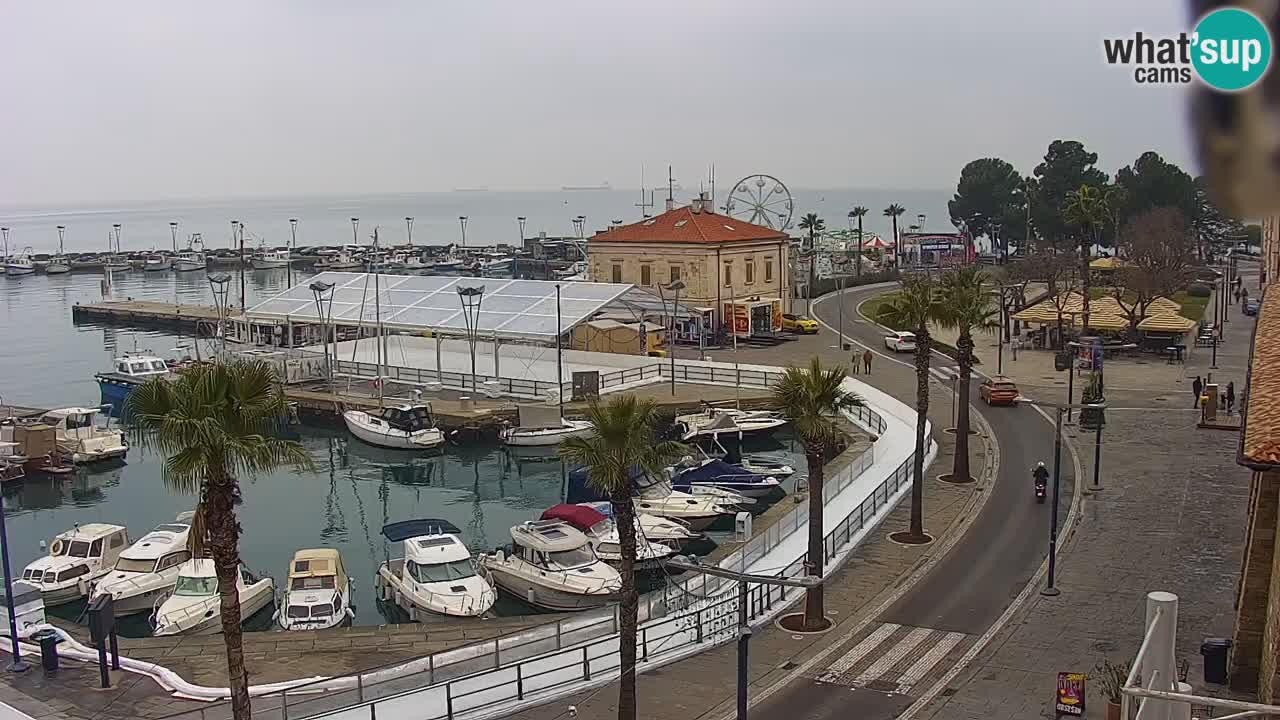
x=1158 y=249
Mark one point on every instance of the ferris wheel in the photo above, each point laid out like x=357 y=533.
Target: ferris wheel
x=761 y=200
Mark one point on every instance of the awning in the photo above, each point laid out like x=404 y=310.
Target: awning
x=1041 y=313
x=1167 y=323
x=1107 y=321
x=1163 y=306
x=1107 y=263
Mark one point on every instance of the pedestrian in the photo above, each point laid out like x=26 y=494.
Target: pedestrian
x=1236 y=293
x=866 y=361
x=1244 y=296
x=1231 y=398
x=1197 y=387
x=855 y=362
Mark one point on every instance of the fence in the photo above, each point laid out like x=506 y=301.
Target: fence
x=718 y=374
x=487 y=384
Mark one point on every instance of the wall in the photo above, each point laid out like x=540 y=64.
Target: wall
x=1270 y=248
x=1257 y=597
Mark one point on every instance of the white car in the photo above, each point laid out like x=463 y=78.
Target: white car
x=900 y=341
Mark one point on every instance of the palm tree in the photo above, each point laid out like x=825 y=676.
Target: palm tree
x=913 y=307
x=1088 y=208
x=811 y=398
x=893 y=212
x=964 y=304
x=215 y=425
x=859 y=212
x=813 y=224
x=624 y=443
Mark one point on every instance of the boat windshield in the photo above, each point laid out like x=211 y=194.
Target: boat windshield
x=444 y=572
x=323 y=582
x=569 y=559
x=75 y=548
x=611 y=548
x=195 y=586
x=139 y=566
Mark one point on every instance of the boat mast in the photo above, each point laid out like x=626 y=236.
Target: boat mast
x=733 y=332
x=559 y=356
x=377 y=313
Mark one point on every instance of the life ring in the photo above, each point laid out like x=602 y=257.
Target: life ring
x=56 y=547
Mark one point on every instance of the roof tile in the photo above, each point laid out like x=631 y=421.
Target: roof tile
x=683 y=225
x=1260 y=443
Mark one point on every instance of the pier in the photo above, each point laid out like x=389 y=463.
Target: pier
x=145 y=314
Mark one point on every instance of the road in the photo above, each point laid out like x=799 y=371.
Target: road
x=884 y=669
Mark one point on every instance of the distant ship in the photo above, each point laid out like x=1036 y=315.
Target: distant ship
x=471 y=189
x=575 y=188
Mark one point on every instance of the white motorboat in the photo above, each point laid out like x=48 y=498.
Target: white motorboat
x=492 y=264
x=436 y=575
x=602 y=533
x=131 y=370
x=195 y=608
x=552 y=566
x=697 y=511
x=764 y=465
x=673 y=533
x=342 y=260
x=58 y=265
x=543 y=426
x=713 y=422
x=696 y=476
x=76 y=558
x=147 y=569
x=116 y=263
x=158 y=263
x=20 y=264
x=319 y=592
x=404 y=427
x=79 y=437
x=190 y=261
x=265 y=259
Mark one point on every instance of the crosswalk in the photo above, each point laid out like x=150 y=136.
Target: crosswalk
x=896 y=658
x=944 y=374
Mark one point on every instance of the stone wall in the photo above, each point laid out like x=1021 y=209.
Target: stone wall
x=1258 y=595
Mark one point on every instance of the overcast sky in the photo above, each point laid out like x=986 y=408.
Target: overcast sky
x=140 y=100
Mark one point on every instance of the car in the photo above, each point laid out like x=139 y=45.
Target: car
x=901 y=341
x=1251 y=307
x=998 y=391
x=799 y=324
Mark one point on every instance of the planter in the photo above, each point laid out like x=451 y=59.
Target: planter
x=1113 y=711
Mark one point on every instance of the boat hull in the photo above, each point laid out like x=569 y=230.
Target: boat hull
x=18 y=270
x=139 y=602
x=543 y=597
x=250 y=604
x=187 y=266
x=544 y=438
x=57 y=269
x=420 y=440
x=392 y=589
x=114 y=392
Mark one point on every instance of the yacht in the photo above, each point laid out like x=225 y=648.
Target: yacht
x=80 y=439
x=265 y=259
x=195 y=607
x=192 y=258
x=436 y=575
x=342 y=260
x=20 y=264
x=319 y=592
x=602 y=533
x=404 y=427
x=158 y=263
x=76 y=558
x=765 y=465
x=543 y=426
x=147 y=570
x=671 y=533
x=714 y=421
x=720 y=474
x=131 y=370
x=494 y=264
x=696 y=511
x=551 y=566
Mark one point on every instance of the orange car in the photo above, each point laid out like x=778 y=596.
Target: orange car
x=998 y=391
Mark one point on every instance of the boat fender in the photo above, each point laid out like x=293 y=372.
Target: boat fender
x=83 y=586
x=530 y=596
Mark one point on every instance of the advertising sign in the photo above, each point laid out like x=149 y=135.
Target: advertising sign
x=1070 y=700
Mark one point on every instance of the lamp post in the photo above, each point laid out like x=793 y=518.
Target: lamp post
x=323 y=292
x=462 y=221
x=675 y=287
x=408 y=228
x=115 y=227
x=355 y=229
x=579 y=224
x=237 y=237
x=173 y=231
x=218 y=282
x=5 y=231
x=471 y=298
x=522 y=219
x=293 y=247
x=560 y=355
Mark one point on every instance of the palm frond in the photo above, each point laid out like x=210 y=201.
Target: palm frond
x=624 y=443
x=811 y=398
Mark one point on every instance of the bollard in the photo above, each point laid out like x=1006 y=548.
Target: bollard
x=1159 y=669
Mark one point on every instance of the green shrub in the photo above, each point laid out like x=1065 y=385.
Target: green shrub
x=1199 y=290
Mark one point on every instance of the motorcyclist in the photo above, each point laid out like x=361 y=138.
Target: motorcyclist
x=1041 y=474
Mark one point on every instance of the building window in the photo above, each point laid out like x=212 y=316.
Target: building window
x=728 y=273
x=751 y=271
x=617 y=273
x=675 y=273
x=768 y=269
x=646 y=275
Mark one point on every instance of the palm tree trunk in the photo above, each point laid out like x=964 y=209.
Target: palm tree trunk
x=221 y=497
x=922 y=415
x=624 y=512
x=814 y=612
x=960 y=465
x=859 y=246
x=897 y=255
x=1085 y=244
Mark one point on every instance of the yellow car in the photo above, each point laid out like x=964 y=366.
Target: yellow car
x=799 y=324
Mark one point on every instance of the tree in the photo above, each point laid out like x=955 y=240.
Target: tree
x=1212 y=227
x=812 y=398
x=893 y=212
x=1151 y=182
x=624 y=442
x=988 y=188
x=814 y=225
x=215 y=424
x=1066 y=166
x=1158 y=249
x=913 y=307
x=1091 y=209
x=859 y=212
x=965 y=304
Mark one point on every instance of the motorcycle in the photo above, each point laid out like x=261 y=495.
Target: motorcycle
x=1040 y=490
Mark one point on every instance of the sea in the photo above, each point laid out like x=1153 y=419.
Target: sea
x=46 y=361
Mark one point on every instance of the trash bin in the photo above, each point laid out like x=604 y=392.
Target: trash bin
x=48 y=640
x=1215 y=652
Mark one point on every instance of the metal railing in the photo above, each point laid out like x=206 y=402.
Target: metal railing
x=720 y=375
x=485 y=384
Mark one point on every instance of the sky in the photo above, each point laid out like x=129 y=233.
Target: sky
x=140 y=100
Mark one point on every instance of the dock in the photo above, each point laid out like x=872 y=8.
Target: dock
x=145 y=314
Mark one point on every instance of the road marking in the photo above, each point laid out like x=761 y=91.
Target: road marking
x=945 y=374
x=921 y=667
x=859 y=651
x=894 y=656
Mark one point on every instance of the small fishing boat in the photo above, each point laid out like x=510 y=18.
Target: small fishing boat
x=551 y=565
x=193 y=258
x=79 y=437
x=158 y=263
x=342 y=260
x=20 y=264
x=195 y=608
x=86 y=262
x=765 y=465
x=59 y=264
x=404 y=427
x=265 y=259
x=714 y=421
x=76 y=558
x=543 y=426
x=602 y=533
x=319 y=592
x=436 y=575
x=131 y=370
x=116 y=263
x=148 y=569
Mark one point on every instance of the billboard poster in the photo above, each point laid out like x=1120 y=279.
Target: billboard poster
x=1070 y=700
x=739 y=322
x=777 y=315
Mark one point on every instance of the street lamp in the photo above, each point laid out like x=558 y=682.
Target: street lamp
x=173 y=230
x=675 y=287
x=408 y=227
x=323 y=292
x=5 y=231
x=471 y=298
x=218 y=282
x=293 y=247
x=1051 y=588
x=115 y=227
x=521 y=220
x=579 y=225
x=462 y=220
x=355 y=227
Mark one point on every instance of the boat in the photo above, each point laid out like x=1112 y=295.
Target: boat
x=580 y=188
x=319 y=592
x=20 y=264
x=765 y=465
x=602 y=533
x=158 y=263
x=192 y=258
x=59 y=264
x=673 y=533
x=694 y=475
x=551 y=566
x=116 y=263
x=148 y=569
x=543 y=426
x=695 y=510
x=404 y=427
x=86 y=262
x=493 y=264
x=80 y=439
x=714 y=421
x=195 y=607
x=265 y=259
x=76 y=558
x=131 y=370
x=342 y=260
x=436 y=575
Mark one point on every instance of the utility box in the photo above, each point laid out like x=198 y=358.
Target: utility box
x=742 y=527
x=1209 y=409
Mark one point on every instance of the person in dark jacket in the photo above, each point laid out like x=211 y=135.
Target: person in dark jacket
x=1197 y=387
x=1231 y=397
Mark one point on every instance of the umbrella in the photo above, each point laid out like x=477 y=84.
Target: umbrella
x=1107 y=321
x=1163 y=306
x=1167 y=323
x=1040 y=313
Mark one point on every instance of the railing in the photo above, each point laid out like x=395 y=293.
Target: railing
x=627 y=376
x=720 y=375
x=487 y=384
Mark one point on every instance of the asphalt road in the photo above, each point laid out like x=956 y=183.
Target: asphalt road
x=983 y=572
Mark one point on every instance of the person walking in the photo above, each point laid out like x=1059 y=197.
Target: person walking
x=866 y=362
x=1244 y=296
x=1197 y=387
x=855 y=362
x=1231 y=397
